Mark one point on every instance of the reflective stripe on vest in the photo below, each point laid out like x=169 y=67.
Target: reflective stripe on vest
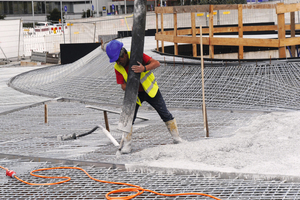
x=149 y=84
x=147 y=80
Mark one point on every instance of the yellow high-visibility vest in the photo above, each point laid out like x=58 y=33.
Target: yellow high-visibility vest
x=147 y=80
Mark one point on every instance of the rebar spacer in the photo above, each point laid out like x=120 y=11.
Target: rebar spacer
x=10 y=173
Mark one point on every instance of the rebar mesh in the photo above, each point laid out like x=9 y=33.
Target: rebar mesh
x=245 y=86
x=24 y=133
x=28 y=135
x=81 y=187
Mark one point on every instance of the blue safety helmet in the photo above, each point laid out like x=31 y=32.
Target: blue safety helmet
x=113 y=49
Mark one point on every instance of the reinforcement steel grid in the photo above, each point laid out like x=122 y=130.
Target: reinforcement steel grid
x=81 y=187
x=27 y=137
x=245 y=86
x=261 y=86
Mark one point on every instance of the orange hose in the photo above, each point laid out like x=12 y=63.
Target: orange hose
x=4 y=168
x=135 y=188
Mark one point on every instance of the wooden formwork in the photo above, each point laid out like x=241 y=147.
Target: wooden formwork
x=190 y=35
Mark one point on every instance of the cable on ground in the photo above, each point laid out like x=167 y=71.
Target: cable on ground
x=134 y=188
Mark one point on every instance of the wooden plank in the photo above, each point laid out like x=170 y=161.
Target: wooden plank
x=225 y=29
x=205 y=40
x=284 y=8
x=281 y=32
x=168 y=32
x=167 y=38
x=225 y=41
x=162 y=31
x=162 y=23
x=211 y=30
x=190 y=40
x=184 y=32
x=175 y=33
x=289 y=41
x=176 y=48
x=245 y=28
x=170 y=36
x=248 y=28
x=189 y=31
x=288 y=27
x=157 y=42
x=245 y=42
x=106 y=120
x=293 y=32
x=206 y=31
x=259 y=6
x=158 y=10
x=240 y=22
x=267 y=28
x=260 y=28
x=193 y=24
x=226 y=7
x=168 y=9
x=192 y=8
x=46 y=113
x=205 y=8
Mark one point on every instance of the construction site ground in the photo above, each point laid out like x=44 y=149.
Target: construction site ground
x=28 y=142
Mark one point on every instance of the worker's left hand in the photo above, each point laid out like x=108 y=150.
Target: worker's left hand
x=138 y=68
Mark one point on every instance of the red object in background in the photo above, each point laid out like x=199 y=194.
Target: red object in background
x=10 y=173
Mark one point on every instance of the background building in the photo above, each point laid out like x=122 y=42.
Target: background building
x=31 y=10
x=37 y=10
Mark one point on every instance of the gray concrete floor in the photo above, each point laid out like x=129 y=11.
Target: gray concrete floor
x=28 y=143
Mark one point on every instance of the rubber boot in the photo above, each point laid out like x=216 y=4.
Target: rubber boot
x=172 y=127
x=125 y=144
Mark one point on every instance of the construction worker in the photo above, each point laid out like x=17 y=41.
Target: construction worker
x=148 y=89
